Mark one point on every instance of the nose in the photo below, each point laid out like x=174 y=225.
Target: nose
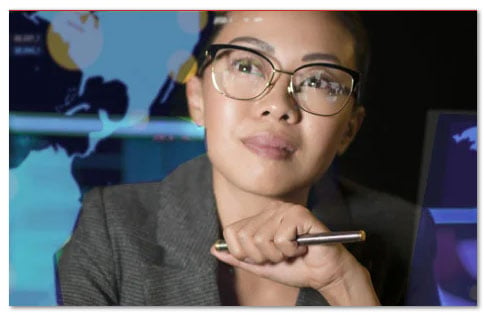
x=278 y=103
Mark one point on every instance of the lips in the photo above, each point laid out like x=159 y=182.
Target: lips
x=270 y=146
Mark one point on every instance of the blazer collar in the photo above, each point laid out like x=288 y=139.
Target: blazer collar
x=187 y=221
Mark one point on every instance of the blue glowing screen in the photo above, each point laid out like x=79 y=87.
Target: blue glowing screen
x=446 y=244
x=84 y=87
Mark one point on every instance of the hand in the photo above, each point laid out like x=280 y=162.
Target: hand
x=265 y=245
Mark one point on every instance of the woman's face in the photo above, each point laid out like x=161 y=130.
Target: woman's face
x=268 y=146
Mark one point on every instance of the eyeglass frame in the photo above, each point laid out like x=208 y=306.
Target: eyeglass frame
x=212 y=50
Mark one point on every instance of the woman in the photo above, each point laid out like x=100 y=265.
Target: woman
x=277 y=95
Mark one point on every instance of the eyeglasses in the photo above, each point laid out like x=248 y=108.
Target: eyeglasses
x=242 y=73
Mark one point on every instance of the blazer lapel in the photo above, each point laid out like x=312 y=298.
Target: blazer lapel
x=186 y=229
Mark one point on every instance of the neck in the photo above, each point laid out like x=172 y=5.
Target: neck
x=234 y=203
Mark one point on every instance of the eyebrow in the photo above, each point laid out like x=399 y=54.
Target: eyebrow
x=270 y=49
x=321 y=56
x=255 y=41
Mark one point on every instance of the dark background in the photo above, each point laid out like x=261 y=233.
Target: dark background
x=419 y=61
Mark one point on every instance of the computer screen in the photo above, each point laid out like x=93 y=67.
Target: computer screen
x=446 y=242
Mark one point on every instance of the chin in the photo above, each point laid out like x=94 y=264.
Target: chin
x=277 y=187
x=269 y=178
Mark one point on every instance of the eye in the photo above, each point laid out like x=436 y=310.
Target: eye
x=314 y=82
x=317 y=81
x=247 y=66
x=322 y=82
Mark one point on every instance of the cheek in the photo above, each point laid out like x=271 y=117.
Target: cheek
x=323 y=136
x=218 y=109
x=222 y=118
x=321 y=142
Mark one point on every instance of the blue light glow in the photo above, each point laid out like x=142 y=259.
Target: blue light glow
x=454 y=216
x=74 y=125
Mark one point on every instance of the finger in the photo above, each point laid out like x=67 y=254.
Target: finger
x=239 y=237
x=234 y=246
x=253 y=254
x=286 y=244
x=247 y=242
x=297 y=221
x=264 y=240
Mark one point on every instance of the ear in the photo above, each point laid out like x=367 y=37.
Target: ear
x=195 y=100
x=352 y=128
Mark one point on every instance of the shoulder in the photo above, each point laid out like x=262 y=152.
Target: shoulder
x=138 y=206
x=390 y=224
x=182 y=177
x=125 y=237
x=125 y=194
x=368 y=204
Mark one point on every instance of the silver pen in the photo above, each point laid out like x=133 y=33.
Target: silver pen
x=313 y=239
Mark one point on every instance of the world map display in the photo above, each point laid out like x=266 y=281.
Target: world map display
x=83 y=85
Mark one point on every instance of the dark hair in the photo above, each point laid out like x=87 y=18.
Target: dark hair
x=353 y=23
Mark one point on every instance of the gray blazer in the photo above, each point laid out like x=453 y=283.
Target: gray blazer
x=148 y=244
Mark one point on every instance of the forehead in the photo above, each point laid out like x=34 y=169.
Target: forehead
x=293 y=34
